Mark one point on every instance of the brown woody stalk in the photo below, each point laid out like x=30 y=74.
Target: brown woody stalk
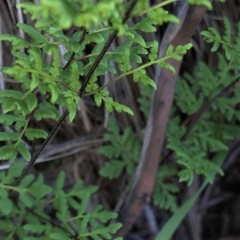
x=158 y=119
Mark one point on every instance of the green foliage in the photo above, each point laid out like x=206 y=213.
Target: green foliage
x=172 y=224
x=201 y=95
x=27 y=209
x=36 y=202
x=64 y=14
x=70 y=208
x=222 y=114
x=226 y=40
x=164 y=194
x=123 y=151
x=62 y=84
x=206 y=3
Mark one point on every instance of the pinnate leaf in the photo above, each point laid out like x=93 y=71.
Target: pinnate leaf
x=32 y=133
x=39 y=190
x=33 y=33
x=7 y=136
x=22 y=149
x=112 y=169
x=5 y=205
x=31 y=101
x=6 y=152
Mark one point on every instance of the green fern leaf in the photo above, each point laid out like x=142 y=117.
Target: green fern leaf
x=39 y=190
x=59 y=236
x=145 y=26
x=112 y=169
x=228 y=30
x=166 y=66
x=15 y=170
x=46 y=110
x=6 y=205
x=153 y=51
x=17 y=42
x=31 y=101
x=33 y=33
x=26 y=181
x=205 y=3
x=22 y=149
x=25 y=198
x=35 y=56
x=11 y=94
x=71 y=107
x=98 y=99
x=32 y=133
x=9 y=136
x=7 y=225
x=137 y=38
x=60 y=180
x=6 y=152
x=37 y=228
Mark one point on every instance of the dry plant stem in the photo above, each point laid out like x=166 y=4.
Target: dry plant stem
x=156 y=126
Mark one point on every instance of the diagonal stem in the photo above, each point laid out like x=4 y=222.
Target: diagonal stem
x=33 y=160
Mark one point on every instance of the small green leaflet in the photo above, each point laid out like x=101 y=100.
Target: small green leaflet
x=172 y=224
x=145 y=26
x=9 y=136
x=32 y=133
x=6 y=152
x=33 y=33
x=22 y=149
x=60 y=181
x=112 y=169
x=110 y=104
x=11 y=94
x=205 y=3
x=31 y=101
x=37 y=228
x=25 y=198
x=153 y=51
x=6 y=205
x=39 y=190
x=17 y=42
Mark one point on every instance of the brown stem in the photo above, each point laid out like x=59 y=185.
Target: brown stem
x=157 y=124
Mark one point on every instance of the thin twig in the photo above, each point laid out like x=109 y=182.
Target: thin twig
x=33 y=160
